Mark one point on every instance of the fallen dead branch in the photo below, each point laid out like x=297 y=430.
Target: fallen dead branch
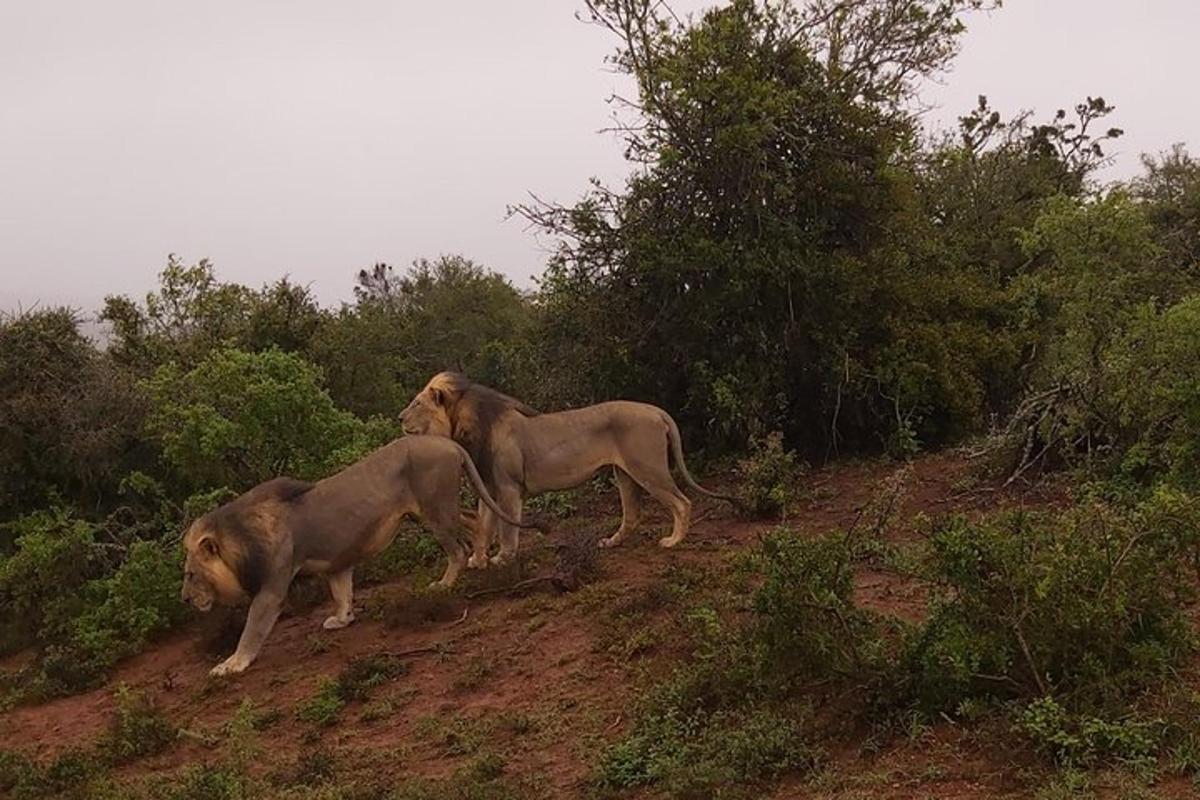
x=556 y=580
x=417 y=651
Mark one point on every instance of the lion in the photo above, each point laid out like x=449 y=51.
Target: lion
x=252 y=547
x=521 y=452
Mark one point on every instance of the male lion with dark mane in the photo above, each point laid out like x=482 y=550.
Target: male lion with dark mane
x=252 y=547
x=521 y=453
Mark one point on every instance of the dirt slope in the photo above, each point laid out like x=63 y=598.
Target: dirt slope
x=540 y=676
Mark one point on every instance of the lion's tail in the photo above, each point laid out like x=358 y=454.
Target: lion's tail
x=488 y=500
x=676 y=443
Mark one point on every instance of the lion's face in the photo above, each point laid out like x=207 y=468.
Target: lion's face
x=207 y=578
x=427 y=414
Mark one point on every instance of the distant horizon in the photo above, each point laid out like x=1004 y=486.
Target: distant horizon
x=315 y=143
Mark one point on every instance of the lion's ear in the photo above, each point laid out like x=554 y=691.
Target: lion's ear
x=438 y=395
x=208 y=545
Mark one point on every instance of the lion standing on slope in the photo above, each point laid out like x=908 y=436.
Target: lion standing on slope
x=253 y=546
x=521 y=453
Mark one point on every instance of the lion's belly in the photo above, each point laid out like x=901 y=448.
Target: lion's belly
x=567 y=448
x=552 y=476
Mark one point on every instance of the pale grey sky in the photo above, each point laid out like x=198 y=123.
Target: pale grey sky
x=314 y=138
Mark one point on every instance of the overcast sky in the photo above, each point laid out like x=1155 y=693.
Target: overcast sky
x=313 y=138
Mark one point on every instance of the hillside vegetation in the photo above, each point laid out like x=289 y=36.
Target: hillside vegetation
x=952 y=375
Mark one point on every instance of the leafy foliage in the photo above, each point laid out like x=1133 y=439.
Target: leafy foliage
x=809 y=625
x=83 y=602
x=450 y=313
x=769 y=476
x=239 y=418
x=354 y=684
x=69 y=418
x=1085 y=605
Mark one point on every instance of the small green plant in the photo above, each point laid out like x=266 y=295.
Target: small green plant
x=138 y=729
x=692 y=752
x=477 y=670
x=516 y=722
x=769 y=477
x=313 y=768
x=462 y=736
x=411 y=551
x=207 y=783
x=364 y=674
x=556 y=504
x=1080 y=740
x=71 y=774
x=353 y=685
x=482 y=778
x=324 y=707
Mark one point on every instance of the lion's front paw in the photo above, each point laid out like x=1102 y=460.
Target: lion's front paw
x=477 y=562
x=230 y=666
x=500 y=559
x=669 y=541
x=334 y=623
x=611 y=541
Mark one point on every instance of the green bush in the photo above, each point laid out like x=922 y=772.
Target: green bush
x=1080 y=740
x=725 y=753
x=120 y=615
x=1156 y=394
x=769 y=477
x=40 y=583
x=84 y=604
x=138 y=729
x=1085 y=604
x=136 y=602
x=237 y=419
x=808 y=624
x=720 y=725
x=69 y=417
x=1111 y=385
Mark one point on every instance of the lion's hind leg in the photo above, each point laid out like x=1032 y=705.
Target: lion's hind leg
x=631 y=507
x=341 y=586
x=658 y=484
x=481 y=527
x=510 y=500
x=446 y=527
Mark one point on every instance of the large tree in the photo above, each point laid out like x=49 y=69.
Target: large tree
x=752 y=270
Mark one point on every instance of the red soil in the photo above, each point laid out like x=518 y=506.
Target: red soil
x=539 y=655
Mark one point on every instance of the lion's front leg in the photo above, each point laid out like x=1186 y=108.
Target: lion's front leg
x=510 y=501
x=264 y=610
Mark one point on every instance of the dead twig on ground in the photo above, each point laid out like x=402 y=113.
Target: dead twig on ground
x=417 y=651
x=553 y=579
